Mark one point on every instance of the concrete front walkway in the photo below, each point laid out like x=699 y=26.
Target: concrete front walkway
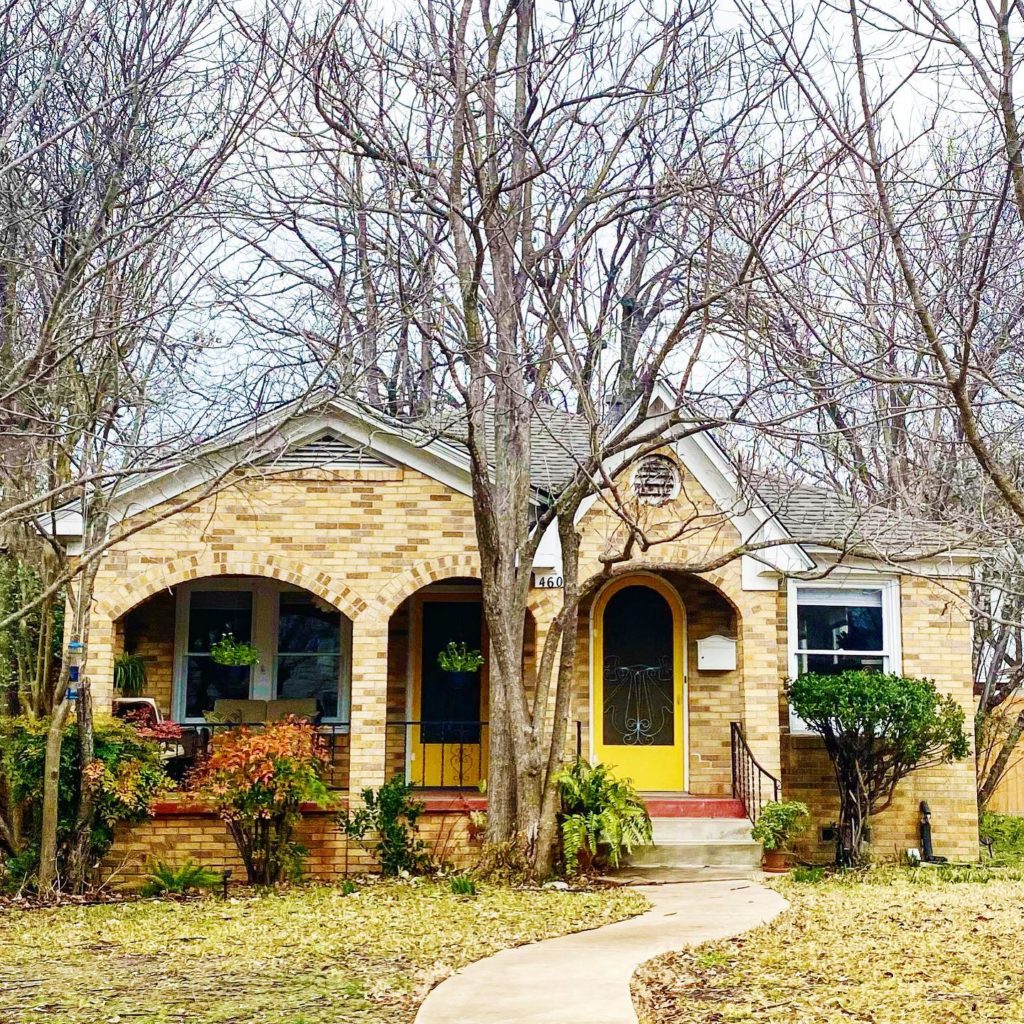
x=584 y=978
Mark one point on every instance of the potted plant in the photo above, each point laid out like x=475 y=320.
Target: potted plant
x=778 y=823
x=129 y=674
x=229 y=651
x=460 y=662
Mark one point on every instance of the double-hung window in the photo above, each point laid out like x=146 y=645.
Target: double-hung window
x=834 y=627
x=314 y=642
x=305 y=647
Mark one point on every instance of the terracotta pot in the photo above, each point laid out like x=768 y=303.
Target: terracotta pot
x=775 y=862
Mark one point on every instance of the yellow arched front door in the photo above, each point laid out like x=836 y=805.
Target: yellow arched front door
x=639 y=672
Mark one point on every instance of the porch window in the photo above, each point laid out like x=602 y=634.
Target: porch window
x=835 y=627
x=311 y=637
x=213 y=613
x=305 y=647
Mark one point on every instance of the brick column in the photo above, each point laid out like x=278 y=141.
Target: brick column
x=543 y=610
x=761 y=680
x=367 y=741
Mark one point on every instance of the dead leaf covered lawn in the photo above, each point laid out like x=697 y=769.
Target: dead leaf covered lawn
x=307 y=956
x=931 y=952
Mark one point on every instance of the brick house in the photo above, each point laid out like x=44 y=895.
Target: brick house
x=342 y=545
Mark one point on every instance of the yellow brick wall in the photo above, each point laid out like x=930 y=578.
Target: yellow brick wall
x=148 y=630
x=936 y=644
x=362 y=539
x=366 y=540
x=174 y=838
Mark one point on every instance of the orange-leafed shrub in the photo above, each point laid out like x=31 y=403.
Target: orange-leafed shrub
x=257 y=781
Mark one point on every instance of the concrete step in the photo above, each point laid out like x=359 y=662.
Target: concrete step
x=683 y=830
x=640 y=875
x=730 y=853
x=699 y=842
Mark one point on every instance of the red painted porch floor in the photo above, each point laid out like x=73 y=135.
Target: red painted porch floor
x=453 y=801
x=660 y=805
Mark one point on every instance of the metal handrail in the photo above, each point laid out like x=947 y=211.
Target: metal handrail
x=749 y=778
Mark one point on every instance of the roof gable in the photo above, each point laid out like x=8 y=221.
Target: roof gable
x=330 y=450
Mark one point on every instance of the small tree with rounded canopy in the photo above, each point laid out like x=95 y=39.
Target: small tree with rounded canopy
x=877 y=729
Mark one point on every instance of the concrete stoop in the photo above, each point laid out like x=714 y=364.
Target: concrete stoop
x=698 y=843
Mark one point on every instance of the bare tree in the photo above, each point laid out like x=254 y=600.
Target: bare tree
x=903 y=312
x=120 y=122
x=505 y=209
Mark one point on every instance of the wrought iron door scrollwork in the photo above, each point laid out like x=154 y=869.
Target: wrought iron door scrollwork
x=638 y=702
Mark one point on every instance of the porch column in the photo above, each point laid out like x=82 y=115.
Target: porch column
x=543 y=610
x=102 y=646
x=762 y=678
x=368 y=716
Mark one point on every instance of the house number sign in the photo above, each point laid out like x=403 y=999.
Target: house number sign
x=548 y=581
x=656 y=480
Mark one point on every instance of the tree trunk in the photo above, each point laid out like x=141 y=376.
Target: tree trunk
x=81 y=848
x=501 y=775
x=51 y=780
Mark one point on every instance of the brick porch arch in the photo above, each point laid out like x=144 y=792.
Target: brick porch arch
x=180 y=570
x=418 y=576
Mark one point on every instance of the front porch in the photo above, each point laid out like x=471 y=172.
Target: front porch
x=645 y=699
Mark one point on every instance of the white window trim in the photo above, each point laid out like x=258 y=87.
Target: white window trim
x=892 y=651
x=263 y=678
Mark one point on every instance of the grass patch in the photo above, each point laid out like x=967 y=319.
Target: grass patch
x=886 y=947
x=306 y=956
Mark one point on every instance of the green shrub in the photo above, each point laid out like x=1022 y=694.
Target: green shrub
x=124 y=777
x=779 y=823
x=191 y=877
x=602 y=817
x=462 y=885
x=877 y=729
x=257 y=782
x=1005 y=835
x=386 y=826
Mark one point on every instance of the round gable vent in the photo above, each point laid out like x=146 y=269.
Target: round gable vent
x=656 y=480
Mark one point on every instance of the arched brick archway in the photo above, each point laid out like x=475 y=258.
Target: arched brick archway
x=168 y=574
x=433 y=570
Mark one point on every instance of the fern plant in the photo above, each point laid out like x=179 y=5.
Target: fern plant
x=459 y=658
x=165 y=880
x=602 y=817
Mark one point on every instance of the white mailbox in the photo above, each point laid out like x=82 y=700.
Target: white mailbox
x=716 y=654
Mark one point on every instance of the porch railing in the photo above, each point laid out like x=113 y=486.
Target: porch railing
x=751 y=783
x=432 y=754
x=438 y=754
x=444 y=754
x=197 y=742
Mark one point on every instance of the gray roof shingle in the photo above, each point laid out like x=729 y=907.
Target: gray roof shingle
x=559 y=441
x=817 y=515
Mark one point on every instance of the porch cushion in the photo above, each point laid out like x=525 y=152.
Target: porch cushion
x=302 y=707
x=240 y=712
